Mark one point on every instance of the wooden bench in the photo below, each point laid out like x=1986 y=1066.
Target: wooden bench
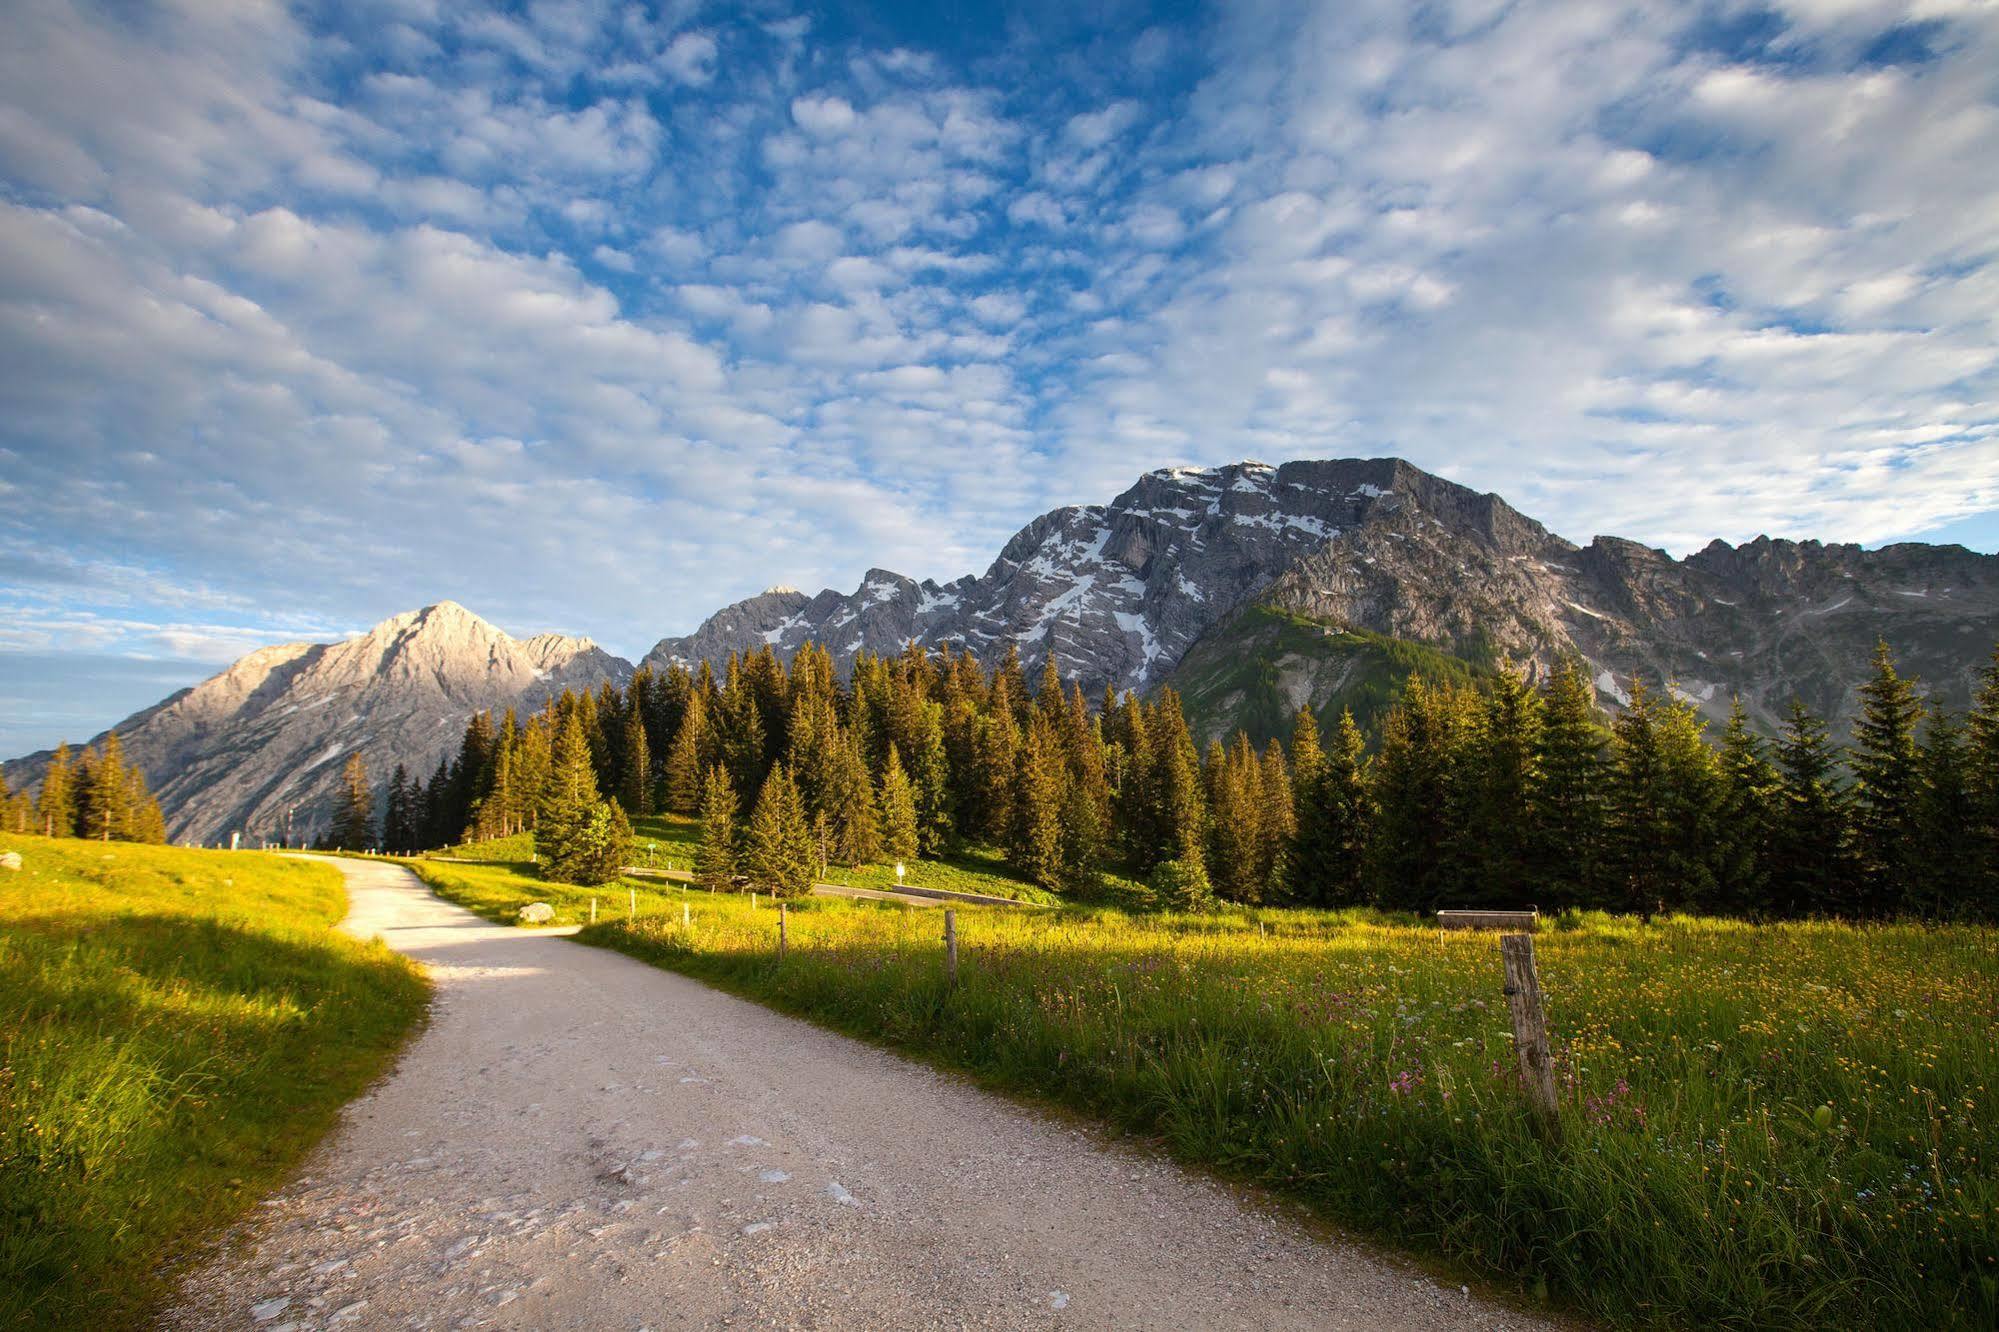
x=1527 y=920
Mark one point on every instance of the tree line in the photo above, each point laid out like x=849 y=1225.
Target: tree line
x=94 y=794
x=1501 y=793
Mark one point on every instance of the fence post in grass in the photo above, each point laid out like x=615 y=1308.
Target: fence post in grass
x=951 y=945
x=632 y=911
x=1530 y=1027
x=593 y=911
x=780 y=930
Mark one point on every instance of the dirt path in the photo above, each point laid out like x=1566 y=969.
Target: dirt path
x=582 y=1141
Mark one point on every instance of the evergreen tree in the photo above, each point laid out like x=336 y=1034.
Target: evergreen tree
x=898 y=811
x=145 y=822
x=1567 y=794
x=598 y=850
x=684 y=785
x=1235 y=823
x=1887 y=775
x=1309 y=865
x=717 y=856
x=571 y=796
x=848 y=804
x=1035 y=848
x=1751 y=796
x=1504 y=773
x=1981 y=744
x=636 y=787
x=779 y=854
x=1413 y=786
x=354 y=812
x=1946 y=876
x=399 y=834
x=104 y=793
x=1277 y=823
x=1811 y=868
x=56 y=805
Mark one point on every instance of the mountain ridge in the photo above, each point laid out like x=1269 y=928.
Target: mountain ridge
x=1123 y=594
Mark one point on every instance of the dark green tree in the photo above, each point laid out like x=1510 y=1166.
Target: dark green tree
x=1812 y=871
x=354 y=809
x=898 y=811
x=718 y=855
x=779 y=857
x=1887 y=773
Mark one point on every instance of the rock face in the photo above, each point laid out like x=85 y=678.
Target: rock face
x=1122 y=593
x=266 y=740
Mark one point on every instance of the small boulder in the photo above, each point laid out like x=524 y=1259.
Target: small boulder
x=537 y=913
x=10 y=860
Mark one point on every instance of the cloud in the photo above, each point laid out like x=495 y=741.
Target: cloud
x=595 y=320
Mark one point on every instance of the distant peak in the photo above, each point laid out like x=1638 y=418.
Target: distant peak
x=781 y=590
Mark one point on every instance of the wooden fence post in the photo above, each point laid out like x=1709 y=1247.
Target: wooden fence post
x=781 y=941
x=632 y=913
x=593 y=911
x=951 y=945
x=1530 y=1028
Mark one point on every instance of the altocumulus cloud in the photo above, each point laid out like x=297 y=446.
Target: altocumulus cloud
x=594 y=317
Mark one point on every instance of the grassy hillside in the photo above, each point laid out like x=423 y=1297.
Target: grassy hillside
x=1254 y=672
x=177 y=1029
x=1780 y=1126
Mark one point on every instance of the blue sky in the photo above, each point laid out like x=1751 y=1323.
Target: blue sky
x=596 y=317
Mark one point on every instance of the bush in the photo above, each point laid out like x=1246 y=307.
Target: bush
x=1182 y=886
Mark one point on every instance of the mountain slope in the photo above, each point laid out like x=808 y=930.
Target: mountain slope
x=1123 y=593
x=266 y=739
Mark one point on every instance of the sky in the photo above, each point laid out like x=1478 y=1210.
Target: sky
x=596 y=317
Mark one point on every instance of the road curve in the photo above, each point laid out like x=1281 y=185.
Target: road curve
x=578 y=1140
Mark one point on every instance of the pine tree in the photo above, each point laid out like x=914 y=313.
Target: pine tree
x=1235 y=822
x=1277 y=823
x=636 y=786
x=570 y=798
x=898 y=811
x=1309 y=865
x=599 y=849
x=717 y=856
x=1946 y=878
x=1347 y=813
x=1887 y=787
x=1503 y=775
x=398 y=829
x=104 y=792
x=779 y=854
x=1567 y=795
x=1178 y=817
x=684 y=785
x=1413 y=790
x=354 y=813
x=1982 y=792
x=145 y=822
x=849 y=807
x=1745 y=842
x=56 y=805
x=1812 y=869
x=1035 y=848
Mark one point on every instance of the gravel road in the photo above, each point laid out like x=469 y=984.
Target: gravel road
x=582 y=1141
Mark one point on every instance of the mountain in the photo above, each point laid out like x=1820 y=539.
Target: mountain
x=1256 y=590
x=266 y=740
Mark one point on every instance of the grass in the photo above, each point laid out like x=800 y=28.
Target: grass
x=177 y=1029
x=1763 y=1126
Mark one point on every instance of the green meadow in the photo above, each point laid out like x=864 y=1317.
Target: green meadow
x=177 y=1029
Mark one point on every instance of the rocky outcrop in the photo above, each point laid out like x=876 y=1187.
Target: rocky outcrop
x=262 y=744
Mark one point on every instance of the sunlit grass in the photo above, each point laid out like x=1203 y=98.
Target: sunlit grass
x=177 y=1028
x=1763 y=1126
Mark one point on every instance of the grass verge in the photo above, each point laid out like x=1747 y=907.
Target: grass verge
x=177 y=1029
